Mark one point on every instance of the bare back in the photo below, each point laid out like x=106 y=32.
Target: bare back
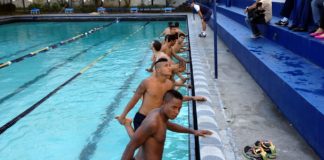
x=166 y=31
x=176 y=48
x=160 y=54
x=154 y=94
x=167 y=50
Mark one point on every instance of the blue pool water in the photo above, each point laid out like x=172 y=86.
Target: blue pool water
x=78 y=121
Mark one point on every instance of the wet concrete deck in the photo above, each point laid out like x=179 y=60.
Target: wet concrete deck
x=242 y=111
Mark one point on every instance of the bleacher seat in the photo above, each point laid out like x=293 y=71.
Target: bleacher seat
x=283 y=36
x=287 y=65
x=35 y=11
x=168 y=9
x=68 y=10
x=101 y=10
x=134 y=10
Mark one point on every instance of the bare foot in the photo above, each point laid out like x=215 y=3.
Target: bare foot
x=128 y=126
x=120 y=119
x=128 y=121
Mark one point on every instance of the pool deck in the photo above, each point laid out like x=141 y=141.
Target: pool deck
x=238 y=112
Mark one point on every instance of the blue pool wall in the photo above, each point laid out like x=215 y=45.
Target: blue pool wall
x=304 y=112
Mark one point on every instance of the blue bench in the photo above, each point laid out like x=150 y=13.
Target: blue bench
x=168 y=9
x=307 y=47
x=68 y=10
x=133 y=9
x=101 y=10
x=35 y=11
x=287 y=65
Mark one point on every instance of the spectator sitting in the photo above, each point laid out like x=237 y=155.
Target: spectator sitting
x=259 y=12
x=285 y=12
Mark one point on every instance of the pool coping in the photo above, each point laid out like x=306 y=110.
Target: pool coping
x=210 y=147
x=201 y=115
x=88 y=17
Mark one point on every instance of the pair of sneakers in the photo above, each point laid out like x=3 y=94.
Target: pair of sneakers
x=262 y=150
x=202 y=35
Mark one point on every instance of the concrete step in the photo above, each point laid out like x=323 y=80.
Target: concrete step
x=295 y=84
x=299 y=43
x=276 y=6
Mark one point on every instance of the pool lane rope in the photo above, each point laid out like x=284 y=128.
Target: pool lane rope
x=52 y=69
x=30 y=109
x=22 y=50
x=53 y=46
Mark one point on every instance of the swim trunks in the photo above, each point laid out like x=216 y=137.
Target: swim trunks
x=138 y=119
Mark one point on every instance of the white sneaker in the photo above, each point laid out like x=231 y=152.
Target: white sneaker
x=202 y=35
x=256 y=36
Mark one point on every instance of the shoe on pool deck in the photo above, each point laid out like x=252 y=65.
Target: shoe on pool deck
x=256 y=36
x=282 y=23
x=202 y=35
x=268 y=147
x=254 y=153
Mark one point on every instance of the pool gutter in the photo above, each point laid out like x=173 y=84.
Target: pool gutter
x=204 y=116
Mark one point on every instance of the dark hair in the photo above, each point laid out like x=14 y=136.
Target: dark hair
x=170 y=23
x=172 y=94
x=176 y=35
x=172 y=26
x=157 y=45
x=259 y=4
x=169 y=37
x=182 y=35
x=176 y=24
x=160 y=60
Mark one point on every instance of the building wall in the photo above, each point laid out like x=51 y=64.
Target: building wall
x=107 y=3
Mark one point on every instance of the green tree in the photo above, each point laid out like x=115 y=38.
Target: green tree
x=127 y=3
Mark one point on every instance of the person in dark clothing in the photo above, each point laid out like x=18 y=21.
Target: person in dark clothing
x=264 y=10
x=319 y=33
x=205 y=14
x=286 y=12
x=301 y=16
x=317 y=6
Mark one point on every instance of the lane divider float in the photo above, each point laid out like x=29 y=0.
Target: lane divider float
x=30 y=109
x=53 y=46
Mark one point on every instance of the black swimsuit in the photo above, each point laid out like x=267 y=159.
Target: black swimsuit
x=138 y=119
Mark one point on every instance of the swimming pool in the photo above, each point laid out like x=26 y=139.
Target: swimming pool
x=77 y=122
